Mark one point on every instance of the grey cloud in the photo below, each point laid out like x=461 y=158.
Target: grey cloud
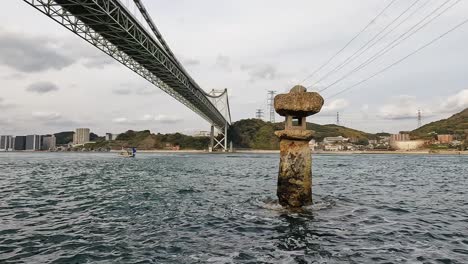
x=31 y=54
x=46 y=116
x=147 y=90
x=191 y=62
x=224 y=63
x=122 y=91
x=62 y=123
x=164 y=119
x=403 y=107
x=99 y=61
x=15 y=76
x=54 y=119
x=4 y=105
x=455 y=103
x=261 y=72
x=42 y=87
x=138 y=91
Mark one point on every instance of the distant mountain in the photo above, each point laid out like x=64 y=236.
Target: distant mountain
x=456 y=124
x=258 y=134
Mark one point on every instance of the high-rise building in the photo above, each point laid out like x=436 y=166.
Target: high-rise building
x=20 y=143
x=12 y=143
x=81 y=136
x=33 y=142
x=49 y=142
x=6 y=143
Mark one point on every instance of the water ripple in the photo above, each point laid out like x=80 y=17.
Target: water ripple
x=98 y=208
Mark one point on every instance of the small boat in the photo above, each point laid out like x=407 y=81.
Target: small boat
x=127 y=153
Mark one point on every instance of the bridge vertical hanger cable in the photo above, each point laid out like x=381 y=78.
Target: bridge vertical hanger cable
x=363 y=47
x=163 y=43
x=402 y=59
x=394 y=43
x=349 y=42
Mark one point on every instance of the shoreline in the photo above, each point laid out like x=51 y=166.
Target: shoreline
x=259 y=151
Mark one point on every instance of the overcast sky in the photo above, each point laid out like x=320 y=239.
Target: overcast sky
x=51 y=80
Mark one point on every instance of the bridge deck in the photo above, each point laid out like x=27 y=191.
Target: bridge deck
x=113 y=21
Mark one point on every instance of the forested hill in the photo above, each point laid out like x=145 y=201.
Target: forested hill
x=456 y=124
x=258 y=134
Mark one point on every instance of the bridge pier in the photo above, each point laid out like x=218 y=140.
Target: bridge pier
x=211 y=139
x=221 y=143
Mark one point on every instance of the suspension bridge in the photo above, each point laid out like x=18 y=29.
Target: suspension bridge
x=110 y=26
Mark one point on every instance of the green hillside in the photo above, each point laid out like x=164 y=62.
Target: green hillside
x=258 y=134
x=145 y=140
x=456 y=124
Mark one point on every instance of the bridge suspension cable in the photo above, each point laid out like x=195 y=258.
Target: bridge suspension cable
x=349 y=42
x=394 y=43
x=155 y=29
x=401 y=60
x=111 y=27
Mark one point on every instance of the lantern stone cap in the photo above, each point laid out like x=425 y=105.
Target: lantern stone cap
x=303 y=135
x=298 y=102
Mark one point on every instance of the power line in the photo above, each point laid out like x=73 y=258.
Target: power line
x=389 y=47
x=349 y=42
x=353 y=56
x=402 y=59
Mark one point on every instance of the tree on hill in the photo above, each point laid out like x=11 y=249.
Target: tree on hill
x=456 y=124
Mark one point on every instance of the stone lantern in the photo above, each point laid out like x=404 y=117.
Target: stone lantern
x=295 y=171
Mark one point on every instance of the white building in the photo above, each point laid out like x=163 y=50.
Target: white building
x=333 y=147
x=407 y=145
x=312 y=144
x=334 y=140
x=81 y=136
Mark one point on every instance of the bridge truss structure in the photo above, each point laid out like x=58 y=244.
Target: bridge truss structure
x=112 y=28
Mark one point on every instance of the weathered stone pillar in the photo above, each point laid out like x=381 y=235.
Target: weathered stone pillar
x=295 y=171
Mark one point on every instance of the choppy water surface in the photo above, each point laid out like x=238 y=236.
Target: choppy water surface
x=99 y=208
